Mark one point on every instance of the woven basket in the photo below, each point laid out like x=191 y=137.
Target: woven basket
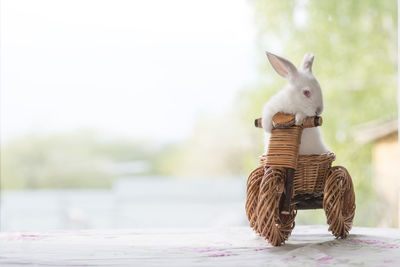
x=311 y=172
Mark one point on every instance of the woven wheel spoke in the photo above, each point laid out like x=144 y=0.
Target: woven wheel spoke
x=339 y=201
x=253 y=187
x=270 y=224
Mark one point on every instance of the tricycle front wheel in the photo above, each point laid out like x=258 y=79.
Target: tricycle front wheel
x=253 y=190
x=339 y=201
x=271 y=223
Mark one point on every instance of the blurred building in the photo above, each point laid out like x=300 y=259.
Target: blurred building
x=386 y=165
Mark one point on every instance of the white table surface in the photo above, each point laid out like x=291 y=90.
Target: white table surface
x=308 y=246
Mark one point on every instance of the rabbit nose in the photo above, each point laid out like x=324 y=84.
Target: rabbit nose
x=318 y=111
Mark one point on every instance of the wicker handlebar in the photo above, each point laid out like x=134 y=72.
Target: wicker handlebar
x=281 y=120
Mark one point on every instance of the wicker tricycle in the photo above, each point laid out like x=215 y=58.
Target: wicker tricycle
x=286 y=182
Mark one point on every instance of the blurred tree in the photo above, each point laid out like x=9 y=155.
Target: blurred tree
x=355 y=47
x=71 y=160
x=216 y=148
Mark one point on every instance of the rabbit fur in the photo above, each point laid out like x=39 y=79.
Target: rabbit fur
x=302 y=97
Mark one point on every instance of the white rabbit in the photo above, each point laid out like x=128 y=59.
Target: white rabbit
x=302 y=97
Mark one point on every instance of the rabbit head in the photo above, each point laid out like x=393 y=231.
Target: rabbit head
x=304 y=90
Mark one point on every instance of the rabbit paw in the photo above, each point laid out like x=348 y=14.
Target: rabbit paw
x=267 y=123
x=300 y=117
x=268 y=127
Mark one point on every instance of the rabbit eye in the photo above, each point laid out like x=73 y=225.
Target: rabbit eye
x=307 y=93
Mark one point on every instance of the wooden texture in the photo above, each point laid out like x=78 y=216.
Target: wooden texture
x=285 y=207
x=271 y=224
x=283 y=148
x=282 y=120
x=258 y=123
x=307 y=201
x=311 y=173
x=339 y=201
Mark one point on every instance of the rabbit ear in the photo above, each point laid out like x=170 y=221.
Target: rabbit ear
x=282 y=66
x=308 y=60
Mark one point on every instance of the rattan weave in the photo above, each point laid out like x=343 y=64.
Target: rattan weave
x=314 y=180
x=311 y=172
x=283 y=147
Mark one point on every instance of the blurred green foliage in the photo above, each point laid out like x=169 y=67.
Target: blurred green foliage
x=70 y=160
x=355 y=47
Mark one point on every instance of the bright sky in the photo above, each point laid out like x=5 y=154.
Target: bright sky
x=136 y=68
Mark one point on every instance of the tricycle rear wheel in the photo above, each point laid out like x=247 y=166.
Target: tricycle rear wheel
x=339 y=201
